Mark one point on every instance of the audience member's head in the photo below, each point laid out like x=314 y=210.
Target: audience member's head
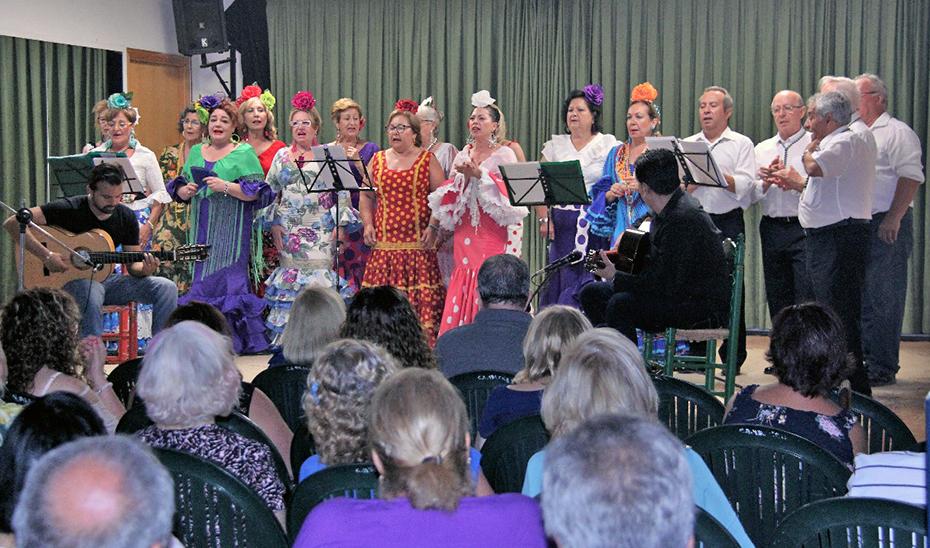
x=109 y=492
x=658 y=170
x=314 y=321
x=41 y=426
x=204 y=313
x=618 y=481
x=339 y=390
x=504 y=282
x=39 y=327
x=383 y=315
x=808 y=349
x=188 y=376
x=419 y=437
x=550 y=332
x=600 y=372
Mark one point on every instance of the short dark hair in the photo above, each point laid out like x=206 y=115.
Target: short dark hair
x=808 y=349
x=200 y=312
x=188 y=110
x=504 y=279
x=107 y=173
x=595 y=109
x=658 y=169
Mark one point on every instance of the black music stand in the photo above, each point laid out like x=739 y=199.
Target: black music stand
x=696 y=163
x=71 y=173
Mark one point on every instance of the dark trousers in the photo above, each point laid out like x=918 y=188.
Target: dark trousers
x=836 y=258
x=730 y=225
x=783 y=262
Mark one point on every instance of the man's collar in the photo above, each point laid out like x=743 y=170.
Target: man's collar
x=727 y=134
x=792 y=138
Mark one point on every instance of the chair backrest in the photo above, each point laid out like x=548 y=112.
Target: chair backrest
x=767 y=473
x=302 y=446
x=285 y=385
x=884 y=431
x=475 y=387
x=735 y=252
x=357 y=481
x=124 y=379
x=710 y=533
x=853 y=521
x=214 y=508
x=686 y=408
x=505 y=455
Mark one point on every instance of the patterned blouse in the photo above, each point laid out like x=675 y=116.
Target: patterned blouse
x=248 y=460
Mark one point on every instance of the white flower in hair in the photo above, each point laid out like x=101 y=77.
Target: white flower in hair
x=482 y=99
x=428 y=102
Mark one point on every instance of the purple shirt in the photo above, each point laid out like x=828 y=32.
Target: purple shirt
x=500 y=520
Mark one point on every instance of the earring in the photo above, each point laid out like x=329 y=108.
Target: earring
x=235 y=138
x=493 y=140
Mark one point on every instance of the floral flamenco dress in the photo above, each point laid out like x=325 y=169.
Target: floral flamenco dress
x=309 y=221
x=225 y=223
x=173 y=229
x=398 y=258
x=483 y=223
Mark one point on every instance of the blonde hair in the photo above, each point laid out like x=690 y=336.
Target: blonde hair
x=100 y=108
x=601 y=372
x=419 y=429
x=271 y=132
x=314 y=321
x=338 y=397
x=131 y=114
x=342 y=105
x=549 y=333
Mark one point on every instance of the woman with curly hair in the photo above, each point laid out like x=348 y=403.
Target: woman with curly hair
x=809 y=358
x=336 y=403
x=383 y=315
x=39 y=334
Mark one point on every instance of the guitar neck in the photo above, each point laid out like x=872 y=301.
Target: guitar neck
x=125 y=257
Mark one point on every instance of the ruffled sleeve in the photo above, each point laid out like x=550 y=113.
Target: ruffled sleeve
x=348 y=215
x=601 y=214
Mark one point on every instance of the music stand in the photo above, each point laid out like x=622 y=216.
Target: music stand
x=696 y=164
x=71 y=173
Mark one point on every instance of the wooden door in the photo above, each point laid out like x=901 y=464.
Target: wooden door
x=161 y=86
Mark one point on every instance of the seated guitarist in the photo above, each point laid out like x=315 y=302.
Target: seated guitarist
x=101 y=208
x=685 y=280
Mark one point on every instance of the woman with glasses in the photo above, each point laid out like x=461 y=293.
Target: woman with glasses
x=397 y=218
x=100 y=122
x=302 y=223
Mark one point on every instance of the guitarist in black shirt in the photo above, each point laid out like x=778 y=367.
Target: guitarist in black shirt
x=101 y=208
x=685 y=282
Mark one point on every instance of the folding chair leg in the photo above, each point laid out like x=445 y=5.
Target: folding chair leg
x=670 y=351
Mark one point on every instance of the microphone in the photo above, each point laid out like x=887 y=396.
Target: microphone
x=572 y=258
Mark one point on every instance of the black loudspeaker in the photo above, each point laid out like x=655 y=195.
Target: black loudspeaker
x=200 y=26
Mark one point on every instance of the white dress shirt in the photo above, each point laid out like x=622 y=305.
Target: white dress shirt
x=845 y=190
x=777 y=202
x=734 y=155
x=898 y=156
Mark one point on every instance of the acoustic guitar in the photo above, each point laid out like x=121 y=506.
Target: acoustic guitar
x=629 y=255
x=96 y=247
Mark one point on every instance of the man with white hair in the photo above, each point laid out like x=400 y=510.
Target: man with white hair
x=618 y=481
x=97 y=492
x=898 y=174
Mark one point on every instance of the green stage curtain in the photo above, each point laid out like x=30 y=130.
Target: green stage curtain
x=530 y=53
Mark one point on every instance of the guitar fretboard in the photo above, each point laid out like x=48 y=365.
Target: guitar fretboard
x=113 y=257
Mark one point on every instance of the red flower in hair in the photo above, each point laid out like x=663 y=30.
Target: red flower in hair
x=248 y=92
x=303 y=100
x=407 y=104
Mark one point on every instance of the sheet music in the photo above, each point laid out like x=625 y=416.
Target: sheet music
x=700 y=160
x=523 y=179
x=131 y=183
x=338 y=154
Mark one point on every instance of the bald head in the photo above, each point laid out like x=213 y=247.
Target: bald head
x=788 y=112
x=85 y=495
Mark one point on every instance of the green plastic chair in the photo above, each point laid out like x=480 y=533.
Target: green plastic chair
x=853 y=522
x=214 y=508
x=475 y=387
x=285 y=385
x=710 y=533
x=302 y=447
x=686 y=408
x=506 y=453
x=124 y=379
x=767 y=473
x=884 y=430
x=357 y=481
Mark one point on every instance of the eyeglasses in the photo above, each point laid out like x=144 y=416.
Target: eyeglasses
x=398 y=128
x=300 y=123
x=787 y=108
x=118 y=125
x=191 y=123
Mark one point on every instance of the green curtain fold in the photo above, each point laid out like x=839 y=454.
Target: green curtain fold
x=530 y=53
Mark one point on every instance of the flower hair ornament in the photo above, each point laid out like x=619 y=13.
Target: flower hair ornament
x=207 y=104
x=253 y=91
x=594 y=94
x=303 y=100
x=647 y=93
x=408 y=105
x=120 y=100
x=482 y=99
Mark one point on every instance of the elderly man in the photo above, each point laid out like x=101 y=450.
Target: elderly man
x=618 y=481
x=835 y=211
x=494 y=341
x=782 y=236
x=898 y=173
x=96 y=492
x=733 y=153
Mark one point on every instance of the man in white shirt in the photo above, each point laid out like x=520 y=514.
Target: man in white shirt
x=781 y=233
x=734 y=155
x=898 y=174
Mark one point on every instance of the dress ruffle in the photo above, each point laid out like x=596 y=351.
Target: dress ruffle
x=450 y=201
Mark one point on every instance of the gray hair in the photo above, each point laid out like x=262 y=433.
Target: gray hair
x=846 y=86
x=130 y=502
x=600 y=372
x=618 y=481
x=727 y=98
x=833 y=104
x=188 y=375
x=504 y=279
x=314 y=321
x=879 y=84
